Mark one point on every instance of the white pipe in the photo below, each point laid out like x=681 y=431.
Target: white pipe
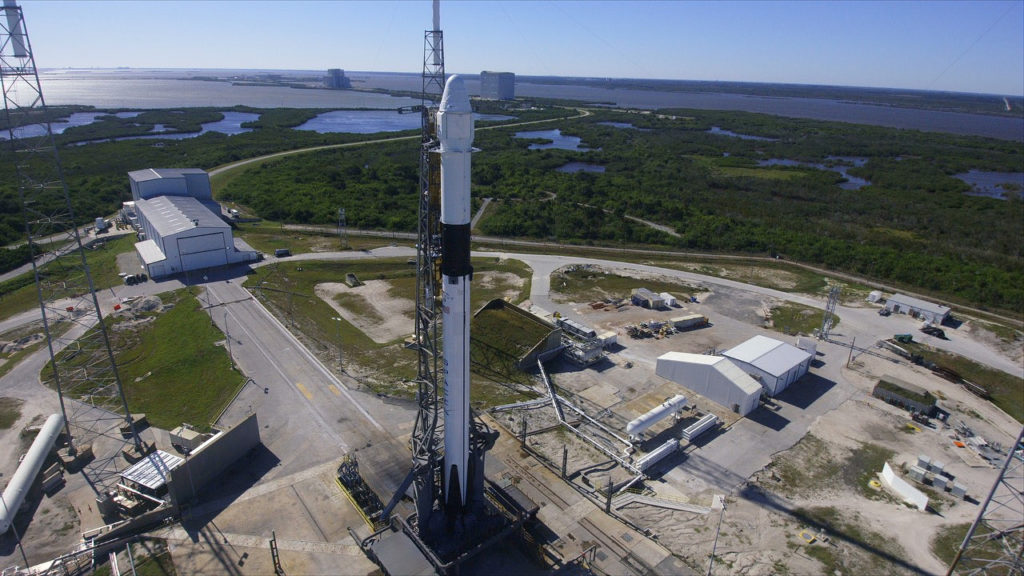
x=26 y=474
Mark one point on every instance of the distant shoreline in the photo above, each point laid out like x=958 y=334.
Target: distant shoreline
x=955 y=113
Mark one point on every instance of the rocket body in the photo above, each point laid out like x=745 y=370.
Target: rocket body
x=455 y=133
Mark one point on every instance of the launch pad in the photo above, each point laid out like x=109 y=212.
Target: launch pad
x=449 y=546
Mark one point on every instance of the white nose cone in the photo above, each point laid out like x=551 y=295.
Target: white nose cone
x=455 y=118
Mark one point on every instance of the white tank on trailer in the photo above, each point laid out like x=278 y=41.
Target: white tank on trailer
x=26 y=473
x=663 y=410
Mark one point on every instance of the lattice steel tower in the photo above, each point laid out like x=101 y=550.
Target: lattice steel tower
x=82 y=367
x=427 y=429
x=994 y=544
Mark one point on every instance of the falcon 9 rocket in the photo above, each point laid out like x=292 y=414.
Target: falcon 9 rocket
x=455 y=133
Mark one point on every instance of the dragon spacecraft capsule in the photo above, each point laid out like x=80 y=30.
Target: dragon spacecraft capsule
x=455 y=133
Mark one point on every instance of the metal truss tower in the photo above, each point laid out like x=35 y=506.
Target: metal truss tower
x=994 y=544
x=427 y=430
x=830 y=310
x=82 y=367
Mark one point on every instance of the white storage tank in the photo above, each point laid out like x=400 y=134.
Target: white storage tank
x=659 y=413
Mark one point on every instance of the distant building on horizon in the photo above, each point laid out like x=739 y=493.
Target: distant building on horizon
x=497 y=85
x=336 y=79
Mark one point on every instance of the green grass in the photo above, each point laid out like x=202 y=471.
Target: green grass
x=763 y=173
x=582 y=284
x=861 y=467
x=291 y=296
x=190 y=378
x=10 y=411
x=19 y=294
x=1007 y=391
x=170 y=367
x=268 y=236
x=947 y=541
x=11 y=359
x=794 y=319
x=808 y=465
x=868 y=544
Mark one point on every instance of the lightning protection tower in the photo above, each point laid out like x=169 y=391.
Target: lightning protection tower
x=427 y=428
x=830 y=311
x=994 y=544
x=81 y=367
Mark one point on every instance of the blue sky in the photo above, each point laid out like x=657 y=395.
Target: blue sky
x=945 y=45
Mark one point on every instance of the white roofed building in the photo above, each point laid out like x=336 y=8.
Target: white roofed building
x=902 y=304
x=773 y=363
x=179 y=231
x=713 y=377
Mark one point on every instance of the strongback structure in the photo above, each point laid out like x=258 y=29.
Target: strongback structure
x=82 y=367
x=994 y=543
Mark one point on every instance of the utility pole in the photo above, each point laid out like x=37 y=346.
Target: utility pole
x=338 y=321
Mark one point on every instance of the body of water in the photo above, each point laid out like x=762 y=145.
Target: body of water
x=160 y=89
x=574 y=167
x=839 y=164
x=150 y=89
x=57 y=126
x=556 y=140
x=622 y=125
x=994 y=184
x=361 y=122
x=721 y=132
x=373 y=121
x=231 y=124
x=493 y=117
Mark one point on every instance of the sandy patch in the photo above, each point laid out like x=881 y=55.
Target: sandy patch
x=371 y=309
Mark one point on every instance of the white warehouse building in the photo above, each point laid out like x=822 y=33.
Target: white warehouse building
x=713 y=377
x=773 y=363
x=180 y=227
x=917 y=308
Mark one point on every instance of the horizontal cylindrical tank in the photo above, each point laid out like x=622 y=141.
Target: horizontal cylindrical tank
x=22 y=480
x=667 y=408
x=659 y=454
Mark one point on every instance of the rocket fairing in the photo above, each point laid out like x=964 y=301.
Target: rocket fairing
x=455 y=133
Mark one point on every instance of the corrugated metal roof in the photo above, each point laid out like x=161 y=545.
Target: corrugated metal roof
x=173 y=214
x=154 y=470
x=919 y=304
x=720 y=364
x=150 y=252
x=158 y=173
x=773 y=356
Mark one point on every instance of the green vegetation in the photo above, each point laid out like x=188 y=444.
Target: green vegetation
x=10 y=411
x=170 y=364
x=500 y=337
x=288 y=288
x=797 y=319
x=19 y=294
x=174 y=370
x=923 y=396
x=1006 y=390
x=586 y=283
x=948 y=540
x=952 y=246
x=807 y=466
x=873 y=553
x=863 y=465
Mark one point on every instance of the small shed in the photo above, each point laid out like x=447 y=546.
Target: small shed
x=668 y=299
x=772 y=362
x=917 y=308
x=646 y=298
x=905 y=395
